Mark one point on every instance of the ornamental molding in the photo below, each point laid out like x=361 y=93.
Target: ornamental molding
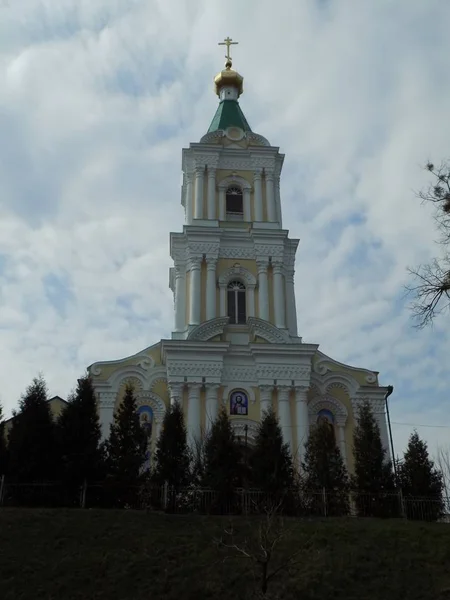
x=201 y=248
x=206 y=160
x=213 y=136
x=145 y=362
x=256 y=139
x=237 y=252
x=209 y=329
x=238 y=385
x=377 y=404
x=148 y=398
x=276 y=251
x=234 y=179
x=274 y=371
x=129 y=372
x=107 y=399
x=157 y=375
x=239 y=373
x=246 y=164
x=186 y=368
x=95 y=369
x=238 y=426
x=267 y=331
x=134 y=381
x=239 y=272
x=328 y=403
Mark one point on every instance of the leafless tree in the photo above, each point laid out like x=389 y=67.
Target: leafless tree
x=431 y=291
x=443 y=464
x=261 y=547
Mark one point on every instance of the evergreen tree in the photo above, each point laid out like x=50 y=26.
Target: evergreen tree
x=422 y=484
x=270 y=460
x=31 y=440
x=373 y=479
x=127 y=444
x=79 y=436
x=172 y=457
x=222 y=463
x=324 y=471
x=3 y=450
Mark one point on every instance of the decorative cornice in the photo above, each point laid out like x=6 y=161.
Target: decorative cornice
x=187 y=368
x=209 y=329
x=243 y=252
x=201 y=248
x=267 y=331
x=273 y=250
x=282 y=371
x=239 y=373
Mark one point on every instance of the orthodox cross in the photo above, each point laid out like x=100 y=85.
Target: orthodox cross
x=227 y=42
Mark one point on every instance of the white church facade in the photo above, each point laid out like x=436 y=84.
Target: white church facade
x=235 y=339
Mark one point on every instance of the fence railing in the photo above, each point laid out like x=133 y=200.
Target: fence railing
x=291 y=502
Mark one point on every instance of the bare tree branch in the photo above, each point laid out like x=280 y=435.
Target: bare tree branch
x=261 y=549
x=432 y=290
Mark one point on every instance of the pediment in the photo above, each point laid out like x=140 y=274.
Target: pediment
x=268 y=332
x=208 y=330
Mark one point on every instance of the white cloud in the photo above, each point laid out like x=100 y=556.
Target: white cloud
x=96 y=102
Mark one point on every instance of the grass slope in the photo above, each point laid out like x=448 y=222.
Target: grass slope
x=121 y=555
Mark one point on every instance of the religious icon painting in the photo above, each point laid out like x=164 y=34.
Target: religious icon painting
x=146 y=418
x=325 y=416
x=238 y=403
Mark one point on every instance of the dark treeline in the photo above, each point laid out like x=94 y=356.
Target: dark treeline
x=68 y=450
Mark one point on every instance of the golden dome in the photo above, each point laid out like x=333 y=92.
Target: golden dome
x=229 y=77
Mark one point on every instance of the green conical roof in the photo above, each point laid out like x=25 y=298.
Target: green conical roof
x=229 y=114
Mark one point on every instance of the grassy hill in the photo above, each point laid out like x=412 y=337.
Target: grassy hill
x=121 y=555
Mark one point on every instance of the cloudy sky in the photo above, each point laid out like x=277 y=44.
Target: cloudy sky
x=97 y=98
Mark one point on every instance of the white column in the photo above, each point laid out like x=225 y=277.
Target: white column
x=212 y=405
x=278 y=201
x=263 y=297
x=290 y=303
x=210 y=288
x=284 y=414
x=188 y=201
x=270 y=198
x=211 y=193
x=222 y=207
x=247 y=215
x=194 y=289
x=198 y=209
x=265 y=395
x=278 y=296
x=250 y=301
x=193 y=416
x=302 y=420
x=258 y=207
x=180 y=297
x=176 y=393
x=342 y=444
x=222 y=300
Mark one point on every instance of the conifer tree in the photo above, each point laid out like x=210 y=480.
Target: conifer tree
x=422 y=484
x=373 y=479
x=126 y=446
x=270 y=459
x=79 y=436
x=324 y=470
x=222 y=462
x=31 y=440
x=172 y=456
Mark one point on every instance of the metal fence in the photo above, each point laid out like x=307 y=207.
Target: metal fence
x=194 y=500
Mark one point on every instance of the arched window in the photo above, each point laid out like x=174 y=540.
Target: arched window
x=326 y=417
x=234 y=204
x=236 y=302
